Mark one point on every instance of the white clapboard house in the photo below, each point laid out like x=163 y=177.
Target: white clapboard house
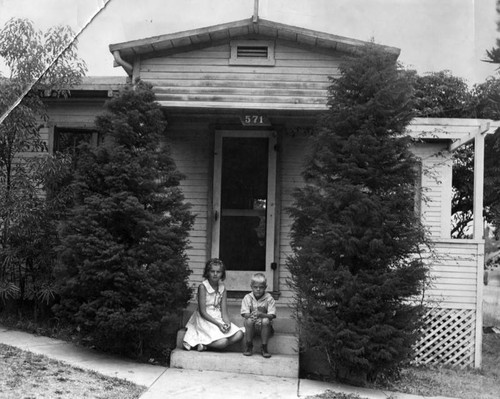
x=241 y=99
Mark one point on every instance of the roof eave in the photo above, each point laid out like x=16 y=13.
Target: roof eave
x=194 y=37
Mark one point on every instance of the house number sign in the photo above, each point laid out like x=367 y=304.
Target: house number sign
x=254 y=120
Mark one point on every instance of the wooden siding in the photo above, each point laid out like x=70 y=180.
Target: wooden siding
x=436 y=188
x=74 y=113
x=292 y=158
x=454 y=274
x=37 y=148
x=204 y=78
x=191 y=148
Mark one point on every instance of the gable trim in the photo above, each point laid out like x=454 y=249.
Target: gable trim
x=181 y=41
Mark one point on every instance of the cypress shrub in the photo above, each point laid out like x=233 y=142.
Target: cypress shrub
x=122 y=268
x=356 y=234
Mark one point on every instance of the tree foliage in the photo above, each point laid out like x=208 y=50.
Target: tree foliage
x=442 y=95
x=37 y=61
x=48 y=59
x=122 y=264
x=355 y=234
x=488 y=104
x=493 y=55
x=488 y=94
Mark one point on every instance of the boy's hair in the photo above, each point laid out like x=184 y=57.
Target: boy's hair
x=214 y=262
x=259 y=278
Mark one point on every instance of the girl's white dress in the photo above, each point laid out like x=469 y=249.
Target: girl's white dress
x=201 y=331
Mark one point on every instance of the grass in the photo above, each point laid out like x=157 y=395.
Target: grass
x=470 y=383
x=443 y=381
x=26 y=375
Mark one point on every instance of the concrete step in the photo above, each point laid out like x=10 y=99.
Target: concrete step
x=234 y=362
x=279 y=343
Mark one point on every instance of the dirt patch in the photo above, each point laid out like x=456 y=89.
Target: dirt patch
x=27 y=375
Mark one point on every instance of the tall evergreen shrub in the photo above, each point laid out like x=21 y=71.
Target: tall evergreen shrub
x=122 y=264
x=356 y=234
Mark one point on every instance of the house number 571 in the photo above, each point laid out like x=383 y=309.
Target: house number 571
x=254 y=120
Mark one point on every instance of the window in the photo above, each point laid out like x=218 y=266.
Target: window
x=252 y=52
x=68 y=139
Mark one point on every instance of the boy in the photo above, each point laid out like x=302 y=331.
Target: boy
x=259 y=309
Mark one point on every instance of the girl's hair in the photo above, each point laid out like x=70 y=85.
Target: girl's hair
x=214 y=262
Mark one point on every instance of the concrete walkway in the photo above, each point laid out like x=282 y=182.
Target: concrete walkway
x=163 y=382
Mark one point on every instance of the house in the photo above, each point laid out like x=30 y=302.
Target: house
x=241 y=100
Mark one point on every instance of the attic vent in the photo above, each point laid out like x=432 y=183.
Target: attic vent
x=252 y=52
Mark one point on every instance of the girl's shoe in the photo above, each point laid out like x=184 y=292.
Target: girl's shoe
x=201 y=348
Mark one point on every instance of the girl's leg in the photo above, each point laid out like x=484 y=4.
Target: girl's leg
x=219 y=344
x=224 y=342
x=235 y=338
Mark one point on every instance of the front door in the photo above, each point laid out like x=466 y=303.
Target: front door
x=244 y=205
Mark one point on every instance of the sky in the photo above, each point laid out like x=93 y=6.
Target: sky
x=433 y=35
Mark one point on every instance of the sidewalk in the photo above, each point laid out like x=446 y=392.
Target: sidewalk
x=163 y=382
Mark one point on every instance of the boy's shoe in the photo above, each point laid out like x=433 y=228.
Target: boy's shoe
x=248 y=350
x=264 y=352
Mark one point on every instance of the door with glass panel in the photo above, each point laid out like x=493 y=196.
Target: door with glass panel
x=243 y=226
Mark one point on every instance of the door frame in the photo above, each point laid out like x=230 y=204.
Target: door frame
x=240 y=280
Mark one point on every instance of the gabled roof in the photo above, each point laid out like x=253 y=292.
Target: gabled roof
x=180 y=41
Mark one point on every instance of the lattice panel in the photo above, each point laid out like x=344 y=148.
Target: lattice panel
x=448 y=338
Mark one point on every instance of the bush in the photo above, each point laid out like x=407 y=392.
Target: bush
x=122 y=267
x=355 y=232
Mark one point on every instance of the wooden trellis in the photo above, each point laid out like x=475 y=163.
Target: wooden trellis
x=448 y=338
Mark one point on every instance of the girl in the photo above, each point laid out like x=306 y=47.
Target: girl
x=209 y=325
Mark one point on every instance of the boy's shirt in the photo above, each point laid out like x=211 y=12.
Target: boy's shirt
x=265 y=304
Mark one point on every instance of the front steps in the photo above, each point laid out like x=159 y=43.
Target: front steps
x=234 y=362
x=283 y=346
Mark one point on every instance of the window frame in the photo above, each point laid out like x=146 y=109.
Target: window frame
x=56 y=130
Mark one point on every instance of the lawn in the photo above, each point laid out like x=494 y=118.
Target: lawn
x=443 y=381
x=466 y=384
x=28 y=376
